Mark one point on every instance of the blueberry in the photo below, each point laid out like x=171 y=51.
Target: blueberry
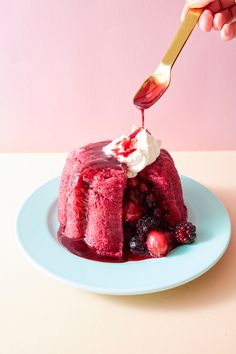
x=137 y=245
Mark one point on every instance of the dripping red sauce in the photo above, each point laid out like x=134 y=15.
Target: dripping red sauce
x=142 y=112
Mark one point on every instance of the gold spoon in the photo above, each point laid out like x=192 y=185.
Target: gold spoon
x=154 y=87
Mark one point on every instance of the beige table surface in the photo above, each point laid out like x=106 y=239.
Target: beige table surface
x=39 y=315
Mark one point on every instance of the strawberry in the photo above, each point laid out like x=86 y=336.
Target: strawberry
x=132 y=211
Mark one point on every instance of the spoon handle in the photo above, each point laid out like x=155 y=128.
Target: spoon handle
x=181 y=37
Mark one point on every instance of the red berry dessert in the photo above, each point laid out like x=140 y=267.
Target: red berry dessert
x=122 y=200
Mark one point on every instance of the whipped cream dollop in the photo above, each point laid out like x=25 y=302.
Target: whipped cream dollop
x=137 y=150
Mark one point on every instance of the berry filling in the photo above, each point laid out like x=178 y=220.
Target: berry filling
x=147 y=232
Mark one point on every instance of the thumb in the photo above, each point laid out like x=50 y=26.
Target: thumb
x=190 y=4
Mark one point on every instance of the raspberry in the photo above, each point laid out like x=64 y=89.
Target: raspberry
x=147 y=224
x=157 y=244
x=132 y=211
x=137 y=245
x=185 y=233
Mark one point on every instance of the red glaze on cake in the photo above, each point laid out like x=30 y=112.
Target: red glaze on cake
x=96 y=202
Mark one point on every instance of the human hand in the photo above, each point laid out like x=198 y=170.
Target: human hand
x=219 y=15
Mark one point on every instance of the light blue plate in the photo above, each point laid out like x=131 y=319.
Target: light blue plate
x=37 y=228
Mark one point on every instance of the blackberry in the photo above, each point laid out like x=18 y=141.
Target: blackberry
x=147 y=224
x=137 y=245
x=185 y=233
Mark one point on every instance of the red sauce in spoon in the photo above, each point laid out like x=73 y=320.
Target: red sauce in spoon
x=150 y=92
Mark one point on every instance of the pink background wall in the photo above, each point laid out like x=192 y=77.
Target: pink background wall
x=69 y=70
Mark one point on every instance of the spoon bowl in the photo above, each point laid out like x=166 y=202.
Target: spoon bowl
x=154 y=87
